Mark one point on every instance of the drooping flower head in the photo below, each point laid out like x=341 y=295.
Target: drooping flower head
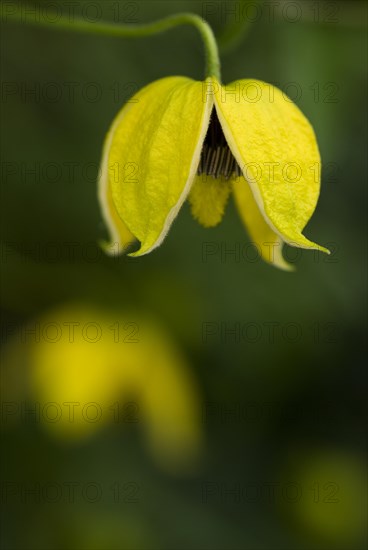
x=180 y=139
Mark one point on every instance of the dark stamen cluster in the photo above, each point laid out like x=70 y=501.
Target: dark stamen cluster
x=216 y=158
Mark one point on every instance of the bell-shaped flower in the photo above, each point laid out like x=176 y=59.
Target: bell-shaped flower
x=180 y=139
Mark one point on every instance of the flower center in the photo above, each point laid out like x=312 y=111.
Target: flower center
x=216 y=158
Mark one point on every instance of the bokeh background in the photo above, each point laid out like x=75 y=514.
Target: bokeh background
x=181 y=400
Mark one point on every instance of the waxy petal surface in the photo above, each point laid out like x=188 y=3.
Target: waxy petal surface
x=120 y=236
x=268 y=243
x=276 y=148
x=154 y=155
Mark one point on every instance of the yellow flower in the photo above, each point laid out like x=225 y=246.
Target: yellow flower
x=179 y=138
x=87 y=369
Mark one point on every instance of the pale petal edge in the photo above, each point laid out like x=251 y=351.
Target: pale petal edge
x=303 y=241
x=121 y=240
x=191 y=177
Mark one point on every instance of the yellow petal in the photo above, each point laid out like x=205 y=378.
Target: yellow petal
x=276 y=148
x=171 y=406
x=267 y=242
x=76 y=363
x=120 y=236
x=208 y=197
x=154 y=154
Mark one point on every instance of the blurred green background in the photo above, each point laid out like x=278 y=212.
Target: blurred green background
x=278 y=421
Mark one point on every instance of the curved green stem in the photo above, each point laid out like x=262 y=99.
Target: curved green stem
x=126 y=31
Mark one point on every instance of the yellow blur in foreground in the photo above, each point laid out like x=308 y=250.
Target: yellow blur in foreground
x=328 y=497
x=89 y=369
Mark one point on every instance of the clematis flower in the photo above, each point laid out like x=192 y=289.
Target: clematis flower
x=88 y=369
x=181 y=139
x=178 y=138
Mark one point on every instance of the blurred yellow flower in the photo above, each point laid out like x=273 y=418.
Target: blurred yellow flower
x=327 y=496
x=178 y=139
x=90 y=368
